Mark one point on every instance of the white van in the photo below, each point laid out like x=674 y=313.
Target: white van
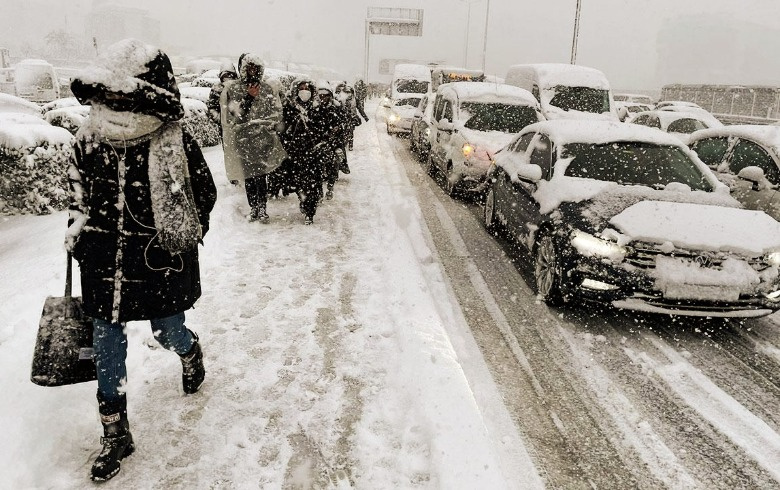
x=410 y=79
x=566 y=91
x=36 y=81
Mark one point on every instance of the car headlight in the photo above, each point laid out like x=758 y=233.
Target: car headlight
x=427 y=132
x=394 y=117
x=589 y=245
x=772 y=258
x=468 y=150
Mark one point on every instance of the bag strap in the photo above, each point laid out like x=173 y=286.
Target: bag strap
x=69 y=276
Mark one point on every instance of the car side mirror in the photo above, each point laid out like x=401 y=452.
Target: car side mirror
x=756 y=176
x=386 y=103
x=529 y=172
x=446 y=125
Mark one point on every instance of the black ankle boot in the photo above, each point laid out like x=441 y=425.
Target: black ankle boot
x=117 y=440
x=193 y=373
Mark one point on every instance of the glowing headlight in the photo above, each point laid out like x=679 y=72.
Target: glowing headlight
x=394 y=117
x=773 y=258
x=590 y=245
x=467 y=150
x=427 y=132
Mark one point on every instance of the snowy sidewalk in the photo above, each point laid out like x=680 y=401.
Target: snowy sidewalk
x=327 y=358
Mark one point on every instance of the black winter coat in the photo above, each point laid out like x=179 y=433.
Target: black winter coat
x=117 y=250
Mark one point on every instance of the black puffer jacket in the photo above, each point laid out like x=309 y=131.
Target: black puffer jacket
x=125 y=274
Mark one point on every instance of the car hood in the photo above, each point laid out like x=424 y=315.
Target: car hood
x=698 y=227
x=406 y=112
x=489 y=140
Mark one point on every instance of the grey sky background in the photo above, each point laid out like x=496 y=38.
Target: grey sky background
x=706 y=41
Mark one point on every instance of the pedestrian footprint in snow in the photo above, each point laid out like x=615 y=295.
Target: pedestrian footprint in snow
x=141 y=194
x=251 y=118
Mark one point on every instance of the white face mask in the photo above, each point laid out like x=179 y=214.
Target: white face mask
x=304 y=95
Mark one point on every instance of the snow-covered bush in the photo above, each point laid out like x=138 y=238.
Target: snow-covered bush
x=69 y=117
x=34 y=157
x=198 y=123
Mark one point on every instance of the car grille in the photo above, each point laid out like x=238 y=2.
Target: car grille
x=644 y=258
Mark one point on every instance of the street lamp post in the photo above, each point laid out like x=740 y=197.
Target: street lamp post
x=484 y=40
x=468 y=32
x=576 y=33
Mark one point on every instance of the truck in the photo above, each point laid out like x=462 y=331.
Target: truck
x=448 y=74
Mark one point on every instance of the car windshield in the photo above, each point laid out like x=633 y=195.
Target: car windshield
x=634 y=163
x=34 y=77
x=410 y=102
x=584 y=99
x=498 y=117
x=411 y=87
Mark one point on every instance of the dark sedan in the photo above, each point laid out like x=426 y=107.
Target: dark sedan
x=626 y=215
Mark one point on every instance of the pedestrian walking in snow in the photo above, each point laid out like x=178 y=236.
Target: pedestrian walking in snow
x=251 y=117
x=215 y=111
x=141 y=194
x=301 y=137
x=346 y=97
x=361 y=92
x=332 y=129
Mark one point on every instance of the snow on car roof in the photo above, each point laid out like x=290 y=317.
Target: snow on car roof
x=565 y=131
x=490 y=92
x=766 y=135
x=667 y=117
x=554 y=74
x=406 y=70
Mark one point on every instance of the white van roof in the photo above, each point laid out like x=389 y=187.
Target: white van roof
x=490 y=92
x=549 y=75
x=408 y=70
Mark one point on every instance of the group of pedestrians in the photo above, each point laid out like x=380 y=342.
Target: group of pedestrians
x=284 y=143
x=141 y=195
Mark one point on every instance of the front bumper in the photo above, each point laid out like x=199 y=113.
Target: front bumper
x=595 y=280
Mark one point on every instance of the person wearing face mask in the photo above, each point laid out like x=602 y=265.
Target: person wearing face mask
x=251 y=119
x=332 y=129
x=141 y=194
x=301 y=137
x=346 y=96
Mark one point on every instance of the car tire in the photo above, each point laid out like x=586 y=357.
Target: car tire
x=430 y=166
x=449 y=187
x=489 y=212
x=548 y=270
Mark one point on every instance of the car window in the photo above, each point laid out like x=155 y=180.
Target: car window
x=407 y=102
x=634 y=163
x=653 y=122
x=685 y=125
x=535 y=93
x=497 y=117
x=711 y=150
x=584 y=99
x=642 y=120
x=521 y=145
x=437 y=108
x=542 y=155
x=747 y=153
x=447 y=110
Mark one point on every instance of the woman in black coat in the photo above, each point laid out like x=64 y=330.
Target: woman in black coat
x=140 y=203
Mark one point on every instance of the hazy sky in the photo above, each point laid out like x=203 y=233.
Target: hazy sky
x=620 y=37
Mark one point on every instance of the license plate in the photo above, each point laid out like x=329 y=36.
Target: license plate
x=701 y=292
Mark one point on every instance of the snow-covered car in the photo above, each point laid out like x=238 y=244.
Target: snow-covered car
x=638 y=98
x=400 y=115
x=627 y=216
x=13 y=104
x=627 y=110
x=473 y=121
x=677 y=103
x=60 y=103
x=420 y=133
x=679 y=124
x=747 y=159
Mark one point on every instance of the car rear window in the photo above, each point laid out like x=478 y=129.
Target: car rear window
x=584 y=99
x=497 y=117
x=635 y=163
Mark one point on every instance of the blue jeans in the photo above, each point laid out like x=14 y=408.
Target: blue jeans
x=110 y=343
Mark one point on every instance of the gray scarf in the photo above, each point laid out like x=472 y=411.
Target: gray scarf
x=173 y=203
